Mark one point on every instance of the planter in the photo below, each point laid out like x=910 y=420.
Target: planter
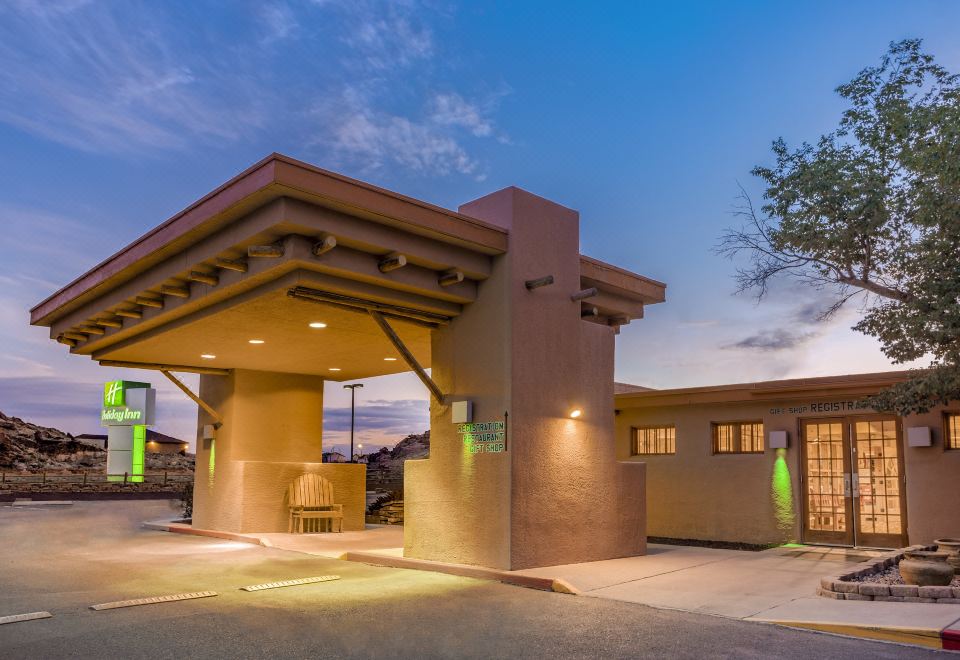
x=926 y=569
x=952 y=548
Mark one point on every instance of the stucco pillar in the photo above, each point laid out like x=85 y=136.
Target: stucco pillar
x=558 y=494
x=271 y=434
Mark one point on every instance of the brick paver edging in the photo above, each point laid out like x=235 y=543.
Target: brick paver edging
x=842 y=586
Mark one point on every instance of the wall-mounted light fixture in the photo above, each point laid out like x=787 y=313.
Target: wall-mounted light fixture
x=576 y=413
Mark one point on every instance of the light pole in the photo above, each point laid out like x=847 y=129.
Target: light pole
x=353 y=396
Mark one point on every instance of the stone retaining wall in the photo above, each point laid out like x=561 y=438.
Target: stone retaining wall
x=842 y=587
x=390 y=513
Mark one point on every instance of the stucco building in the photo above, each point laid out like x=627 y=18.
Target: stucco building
x=793 y=460
x=288 y=276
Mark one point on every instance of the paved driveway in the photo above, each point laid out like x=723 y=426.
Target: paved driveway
x=63 y=560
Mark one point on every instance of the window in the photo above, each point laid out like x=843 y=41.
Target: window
x=951 y=431
x=738 y=438
x=654 y=440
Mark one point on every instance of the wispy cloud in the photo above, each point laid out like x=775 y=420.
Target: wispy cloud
x=383 y=35
x=451 y=109
x=401 y=417
x=373 y=139
x=106 y=77
x=773 y=340
x=279 y=22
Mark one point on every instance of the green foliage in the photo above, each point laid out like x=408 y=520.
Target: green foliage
x=873 y=210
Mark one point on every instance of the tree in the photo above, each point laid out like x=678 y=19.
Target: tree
x=872 y=211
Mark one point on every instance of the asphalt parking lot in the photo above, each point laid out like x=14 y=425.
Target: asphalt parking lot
x=65 y=559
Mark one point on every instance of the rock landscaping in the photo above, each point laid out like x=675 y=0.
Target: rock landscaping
x=879 y=579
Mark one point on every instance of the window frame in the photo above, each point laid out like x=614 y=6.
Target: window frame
x=945 y=430
x=737 y=437
x=634 y=444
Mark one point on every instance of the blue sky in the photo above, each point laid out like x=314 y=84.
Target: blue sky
x=643 y=116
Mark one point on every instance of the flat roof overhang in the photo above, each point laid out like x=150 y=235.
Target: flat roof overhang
x=852 y=385
x=238 y=254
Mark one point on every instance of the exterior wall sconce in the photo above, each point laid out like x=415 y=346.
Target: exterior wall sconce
x=919 y=436
x=778 y=440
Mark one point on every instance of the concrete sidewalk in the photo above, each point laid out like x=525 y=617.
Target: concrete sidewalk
x=774 y=586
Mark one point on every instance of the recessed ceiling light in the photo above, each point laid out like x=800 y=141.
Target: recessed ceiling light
x=208 y=356
x=390 y=359
x=256 y=341
x=317 y=324
x=334 y=369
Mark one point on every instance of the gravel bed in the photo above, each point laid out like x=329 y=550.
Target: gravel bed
x=892 y=576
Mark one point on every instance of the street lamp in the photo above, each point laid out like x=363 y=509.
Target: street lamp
x=353 y=395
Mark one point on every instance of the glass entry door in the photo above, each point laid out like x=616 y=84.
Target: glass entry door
x=828 y=510
x=878 y=495
x=853 y=485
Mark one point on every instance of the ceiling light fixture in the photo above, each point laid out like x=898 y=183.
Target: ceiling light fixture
x=389 y=359
x=317 y=324
x=334 y=369
x=208 y=356
x=256 y=341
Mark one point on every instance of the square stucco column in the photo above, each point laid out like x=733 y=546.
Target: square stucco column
x=558 y=494
x=271 y=434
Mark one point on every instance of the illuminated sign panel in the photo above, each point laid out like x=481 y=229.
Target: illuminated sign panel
x=127 y=404
x=483 y=437
x=128 y=407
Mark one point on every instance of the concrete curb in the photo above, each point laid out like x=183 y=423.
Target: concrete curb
x=934 y=638
x=463 y=570
x=182 y=528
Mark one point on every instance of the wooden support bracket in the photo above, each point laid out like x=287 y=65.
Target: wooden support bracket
x=539 y=282
x=218 y=420
x=266 y=251
x=392 y=262
x=584 y=294
x=324 y=245
x=408 y=356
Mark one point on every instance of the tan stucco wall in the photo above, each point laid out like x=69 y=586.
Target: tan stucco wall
x=457 y=504
x=698 y=495
x=557 y=495
x=933 y=483
x=271 y=434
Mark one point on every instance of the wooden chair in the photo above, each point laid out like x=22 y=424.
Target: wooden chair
x=310 y=498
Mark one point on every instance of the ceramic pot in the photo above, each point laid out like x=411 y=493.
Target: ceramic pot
x=926 y=569
x=952 y=548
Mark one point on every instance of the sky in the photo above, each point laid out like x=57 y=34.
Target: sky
x=645 y=117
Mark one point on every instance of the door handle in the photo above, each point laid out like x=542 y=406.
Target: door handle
x=846 y=484
x=856 y=484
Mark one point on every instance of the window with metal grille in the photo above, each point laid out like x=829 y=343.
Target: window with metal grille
x=649 y=440
x=738 y=438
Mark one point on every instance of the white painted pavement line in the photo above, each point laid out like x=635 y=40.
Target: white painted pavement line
x=153 y=600
x=290 y=583
x=16 y=618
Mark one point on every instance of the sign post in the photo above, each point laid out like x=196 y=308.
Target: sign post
x=128 y=408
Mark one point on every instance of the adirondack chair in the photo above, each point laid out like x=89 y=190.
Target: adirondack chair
x=310 y=498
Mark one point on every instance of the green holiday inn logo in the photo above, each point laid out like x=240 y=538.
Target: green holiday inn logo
x=113 y=394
